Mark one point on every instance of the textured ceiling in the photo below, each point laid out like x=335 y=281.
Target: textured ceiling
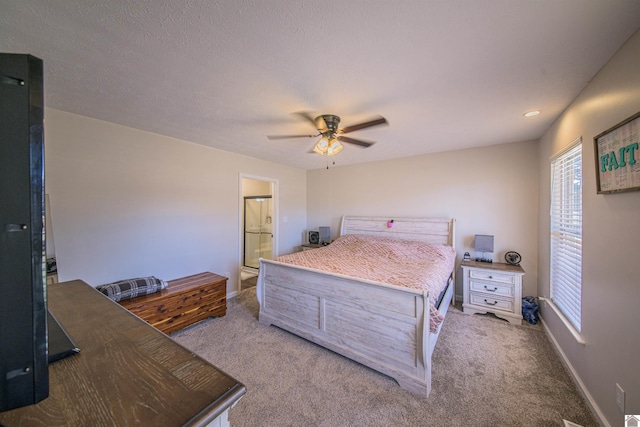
x=446 y=74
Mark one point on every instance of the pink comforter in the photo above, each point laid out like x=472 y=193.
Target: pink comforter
x=404 y=263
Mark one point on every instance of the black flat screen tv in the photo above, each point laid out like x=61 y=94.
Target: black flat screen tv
x=24 y=376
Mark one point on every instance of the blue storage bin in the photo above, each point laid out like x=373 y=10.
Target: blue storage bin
x=530 y=310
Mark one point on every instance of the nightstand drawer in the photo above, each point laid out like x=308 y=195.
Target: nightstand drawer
x=484 y=300
x=491 y=288
x=492 y=275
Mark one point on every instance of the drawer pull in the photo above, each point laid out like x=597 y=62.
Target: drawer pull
x=490 y=277
x=490 y=290
x=490 y=303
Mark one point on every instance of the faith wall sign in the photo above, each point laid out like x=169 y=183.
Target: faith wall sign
x=618 y=157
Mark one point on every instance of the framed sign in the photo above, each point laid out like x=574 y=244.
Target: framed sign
x=618 y=157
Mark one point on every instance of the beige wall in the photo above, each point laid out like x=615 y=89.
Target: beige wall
x=254 y=187
x=127 y=203
x=490 y=190
x=611 y=238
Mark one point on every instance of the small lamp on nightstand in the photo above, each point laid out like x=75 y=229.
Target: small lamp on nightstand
x=484 y=243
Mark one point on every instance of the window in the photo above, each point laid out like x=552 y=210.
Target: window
x=566 y=233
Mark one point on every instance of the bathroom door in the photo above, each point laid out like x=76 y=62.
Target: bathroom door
x=258 y=237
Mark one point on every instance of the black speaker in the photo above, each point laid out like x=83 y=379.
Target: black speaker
x=314 y=237
x=24 y=378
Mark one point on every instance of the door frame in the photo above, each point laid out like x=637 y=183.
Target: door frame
x=274 y=226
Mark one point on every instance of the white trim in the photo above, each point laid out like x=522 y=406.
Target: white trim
x=565 y=321
x=576 y=378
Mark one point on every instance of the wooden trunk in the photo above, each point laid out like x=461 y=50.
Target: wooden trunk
x=182 y=303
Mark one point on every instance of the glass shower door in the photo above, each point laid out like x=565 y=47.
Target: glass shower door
x=258 y=237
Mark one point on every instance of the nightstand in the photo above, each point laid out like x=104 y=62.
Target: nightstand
x=309 y=246
x=492 y=288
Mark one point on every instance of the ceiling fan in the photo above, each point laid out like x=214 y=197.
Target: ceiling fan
x=327 y=126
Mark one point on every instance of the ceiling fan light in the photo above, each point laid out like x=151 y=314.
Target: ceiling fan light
x=321 y=146
x=334 y=148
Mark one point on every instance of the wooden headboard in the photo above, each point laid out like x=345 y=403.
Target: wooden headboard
x=439 y=231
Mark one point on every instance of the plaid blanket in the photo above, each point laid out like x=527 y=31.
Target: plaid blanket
x=130 y=288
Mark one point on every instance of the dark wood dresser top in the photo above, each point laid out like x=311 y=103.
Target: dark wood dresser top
x=127 y=372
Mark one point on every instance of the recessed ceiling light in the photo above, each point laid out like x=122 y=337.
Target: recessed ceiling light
x=531 y=113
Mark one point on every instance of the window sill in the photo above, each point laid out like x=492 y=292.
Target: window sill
x=574 y=332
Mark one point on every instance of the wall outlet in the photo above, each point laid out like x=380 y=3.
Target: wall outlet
x=620 y=397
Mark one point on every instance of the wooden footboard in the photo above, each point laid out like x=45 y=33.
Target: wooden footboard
x=382 y=326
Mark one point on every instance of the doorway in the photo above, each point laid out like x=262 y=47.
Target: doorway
x=258 y=220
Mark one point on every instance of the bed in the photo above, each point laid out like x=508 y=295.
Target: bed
x=388 y=326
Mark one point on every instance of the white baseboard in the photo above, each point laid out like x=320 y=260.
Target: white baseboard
x=576 y=378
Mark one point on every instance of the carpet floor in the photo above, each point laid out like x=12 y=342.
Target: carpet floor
x=486 y=372
x=247 y=283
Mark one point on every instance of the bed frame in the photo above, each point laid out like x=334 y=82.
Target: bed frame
x=384 y=327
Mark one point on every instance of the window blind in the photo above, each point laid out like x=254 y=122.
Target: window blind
x=566 y=233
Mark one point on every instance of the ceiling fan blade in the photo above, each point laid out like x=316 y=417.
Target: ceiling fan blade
x=290 y=136
x=305 y=115
x=374 y=122
x=359 y=142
